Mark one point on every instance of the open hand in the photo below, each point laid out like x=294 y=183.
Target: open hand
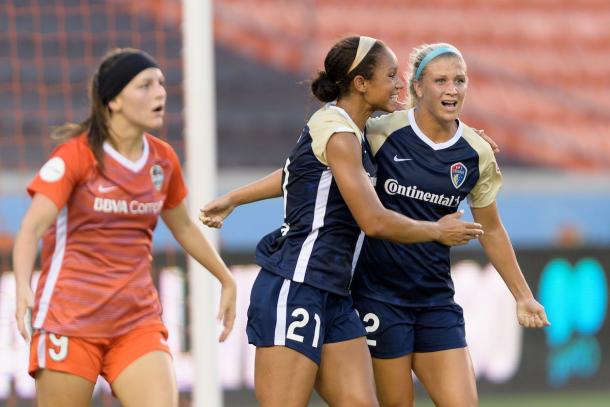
x=23 y=311
x=457 y=232
x=226 y=311
x=490 y=141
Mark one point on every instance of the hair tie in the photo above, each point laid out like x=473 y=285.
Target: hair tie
x=364 y=46
x=433 y=54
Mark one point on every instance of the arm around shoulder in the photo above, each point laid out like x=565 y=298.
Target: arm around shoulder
x=344 y=154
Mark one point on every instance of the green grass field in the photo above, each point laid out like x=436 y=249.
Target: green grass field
x=561 y=399
x=539 y=400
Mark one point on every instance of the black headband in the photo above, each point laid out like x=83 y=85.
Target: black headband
x=111 y=81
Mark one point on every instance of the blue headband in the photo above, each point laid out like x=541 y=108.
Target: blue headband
x=433 y=54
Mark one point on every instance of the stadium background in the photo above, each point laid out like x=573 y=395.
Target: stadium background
x=538 y=85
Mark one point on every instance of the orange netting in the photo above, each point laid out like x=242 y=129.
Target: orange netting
x=48 y=52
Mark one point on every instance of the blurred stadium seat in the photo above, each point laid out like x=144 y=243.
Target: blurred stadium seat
x=543 y=77
x=539 y=87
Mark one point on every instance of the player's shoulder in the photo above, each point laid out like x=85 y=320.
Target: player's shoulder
x=75 y=149
x=74 y=143
x=388 y=123
x=477 y=142
x=333 y=119
x=160 y=147
x=157 y=142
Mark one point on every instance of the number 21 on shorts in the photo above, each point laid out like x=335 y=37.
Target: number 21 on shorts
x=301 y=320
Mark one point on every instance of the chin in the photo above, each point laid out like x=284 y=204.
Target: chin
x=391 y=107
x=448 y=116
x=155 y=125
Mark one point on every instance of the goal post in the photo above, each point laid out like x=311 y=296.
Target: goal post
x=200 y=152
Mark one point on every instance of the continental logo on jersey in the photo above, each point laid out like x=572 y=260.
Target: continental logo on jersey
x=156 y=176
x=392 y=187
x=458 y=174
x=122 y=206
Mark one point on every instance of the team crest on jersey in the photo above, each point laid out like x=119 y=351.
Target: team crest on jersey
x=156 y=176
x=458 y=174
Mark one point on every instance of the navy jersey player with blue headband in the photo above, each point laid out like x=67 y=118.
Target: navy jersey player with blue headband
x=428 y=162
x=301 y=317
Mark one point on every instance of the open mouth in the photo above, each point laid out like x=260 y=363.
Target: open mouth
x=450 y=104
x=158 y=109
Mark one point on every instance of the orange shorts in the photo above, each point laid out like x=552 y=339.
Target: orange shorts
x=90 y=357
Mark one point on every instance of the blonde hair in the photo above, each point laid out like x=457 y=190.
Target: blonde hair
x=418 y=54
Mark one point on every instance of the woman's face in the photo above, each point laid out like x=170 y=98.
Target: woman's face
x=442 y=88
x=142 y=100
x=383 y=88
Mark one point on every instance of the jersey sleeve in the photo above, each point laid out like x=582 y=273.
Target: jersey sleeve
x=378 y=129
x=60 y=174
x=177 y=190
x=322 y=125
x=490 y=180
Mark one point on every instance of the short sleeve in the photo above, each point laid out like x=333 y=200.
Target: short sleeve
x=321 y=135
x=490 y=180
x=378 y=129
x=60 y=174
x=326 y=122
x=177 y=190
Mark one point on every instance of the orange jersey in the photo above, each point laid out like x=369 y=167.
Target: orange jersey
x=96 y=259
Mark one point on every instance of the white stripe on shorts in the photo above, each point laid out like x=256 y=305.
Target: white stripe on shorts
x=41 y=351
x=280 y=321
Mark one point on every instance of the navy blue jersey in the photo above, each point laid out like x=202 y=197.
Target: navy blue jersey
x=425 y=181
x=319 y=236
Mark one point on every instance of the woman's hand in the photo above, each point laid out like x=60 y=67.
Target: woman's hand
x=214 y=213
x=490 y=141
x=226 y=311
x=454 y=231
x=23 y=311
x=531 y=314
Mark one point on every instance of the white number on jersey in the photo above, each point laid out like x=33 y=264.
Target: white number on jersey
x=300 y=323
x=60 y=342
x=370 y=317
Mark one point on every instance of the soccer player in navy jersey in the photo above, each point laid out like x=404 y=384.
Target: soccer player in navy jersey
x=301 y=317
x=428 y=161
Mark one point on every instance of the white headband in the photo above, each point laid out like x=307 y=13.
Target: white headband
x=364 y=46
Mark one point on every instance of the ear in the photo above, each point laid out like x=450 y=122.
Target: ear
x=360 y=83
x=115 y=104
x=419 y=92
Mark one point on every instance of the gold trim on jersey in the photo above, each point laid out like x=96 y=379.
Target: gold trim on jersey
x=378 y=129
x=490 y=178
x=327 y=121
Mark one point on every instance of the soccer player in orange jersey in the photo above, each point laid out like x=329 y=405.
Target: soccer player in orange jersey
x=95 y=205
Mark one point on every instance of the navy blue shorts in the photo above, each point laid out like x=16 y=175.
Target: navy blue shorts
x=299 y=316
x=394 y=331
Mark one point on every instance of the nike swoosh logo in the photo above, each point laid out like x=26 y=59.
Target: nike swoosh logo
x=401 y=159
x=103 y=189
